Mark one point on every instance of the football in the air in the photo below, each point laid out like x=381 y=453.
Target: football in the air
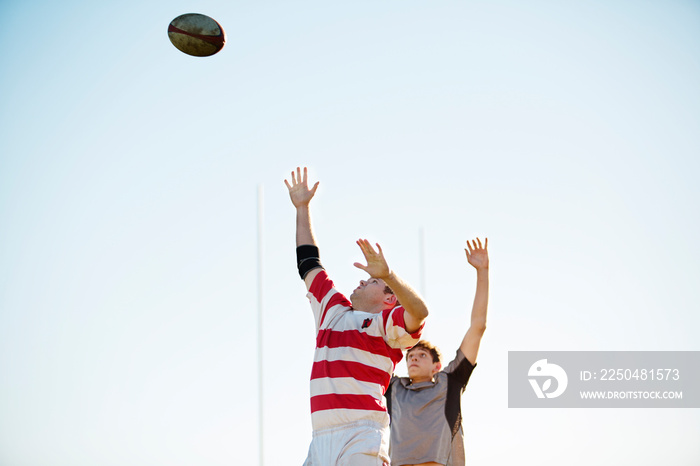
x=196 y=35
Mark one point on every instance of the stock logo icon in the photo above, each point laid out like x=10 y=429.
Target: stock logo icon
x=544 y=372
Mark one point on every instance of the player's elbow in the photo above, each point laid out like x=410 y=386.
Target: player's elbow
x=479 y=326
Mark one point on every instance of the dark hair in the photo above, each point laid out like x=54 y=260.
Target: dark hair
x=429 y=347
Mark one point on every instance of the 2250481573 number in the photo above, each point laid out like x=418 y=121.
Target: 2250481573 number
x=639 y=374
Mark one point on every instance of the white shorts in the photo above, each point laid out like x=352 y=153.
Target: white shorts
x=362 y=443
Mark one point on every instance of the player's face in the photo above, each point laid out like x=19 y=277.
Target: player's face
x=420 y=364
x=368 y=294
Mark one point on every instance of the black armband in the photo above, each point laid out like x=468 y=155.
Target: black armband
x=307 y=259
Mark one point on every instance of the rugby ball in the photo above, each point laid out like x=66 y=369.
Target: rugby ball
x=197 y=35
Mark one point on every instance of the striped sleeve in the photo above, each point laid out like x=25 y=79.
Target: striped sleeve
x=325 y=300
x=395 y=333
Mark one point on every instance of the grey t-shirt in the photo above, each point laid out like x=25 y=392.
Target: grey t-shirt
x=426 y=418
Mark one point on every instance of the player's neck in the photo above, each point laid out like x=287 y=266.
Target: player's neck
x=420 y=379
x=376 y=309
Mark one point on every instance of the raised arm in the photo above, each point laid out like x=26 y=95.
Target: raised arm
x=478 y=257
x=413 y=304
x=301 y=196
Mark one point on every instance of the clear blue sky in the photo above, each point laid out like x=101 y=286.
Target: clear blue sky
x=566 y=132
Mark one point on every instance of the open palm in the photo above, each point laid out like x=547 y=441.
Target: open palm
x=299 y=191
x=478 y=255
x=376 y=263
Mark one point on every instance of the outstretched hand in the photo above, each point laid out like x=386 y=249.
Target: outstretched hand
x=299 y=191
x=376 y=263
x=477 y=255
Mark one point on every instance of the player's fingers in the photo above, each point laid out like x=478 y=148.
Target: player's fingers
x=305 y=175
x=287 y=183
x=469 y=246
x=362 y=243
x=360 y=266
x=313 y=191
x=369 y=247
x=486 y=243
x=368 y=250
x=478 y=241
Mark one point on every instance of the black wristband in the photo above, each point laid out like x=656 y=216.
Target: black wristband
x=307 y=259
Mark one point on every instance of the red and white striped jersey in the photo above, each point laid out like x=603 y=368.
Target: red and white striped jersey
x=356 y=353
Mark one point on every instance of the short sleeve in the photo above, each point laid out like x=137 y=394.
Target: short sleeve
x=459 y=370
x=395 y=333
x=325 y=300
